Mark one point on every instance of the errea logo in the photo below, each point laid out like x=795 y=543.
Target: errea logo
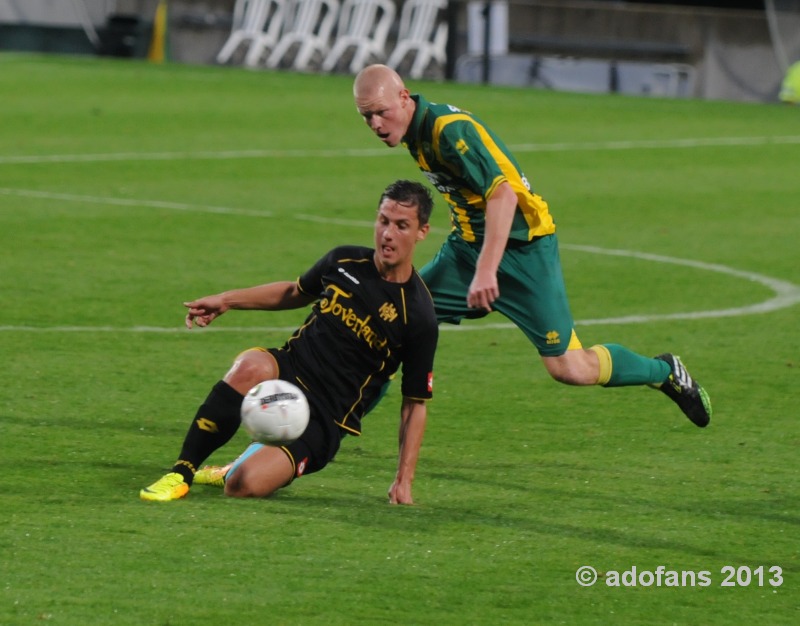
x=462 y=146
x=553 y=338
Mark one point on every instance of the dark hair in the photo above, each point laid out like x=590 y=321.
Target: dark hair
x=413 y=194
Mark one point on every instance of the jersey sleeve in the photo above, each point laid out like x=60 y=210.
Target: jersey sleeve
x=310 y=282
x=420 y=342
x=472 y=154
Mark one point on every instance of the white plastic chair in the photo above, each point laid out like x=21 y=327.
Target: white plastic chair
x=254 y=23
x=423 y=32
x=363 y=26
x=307 y=25
x=269 y=35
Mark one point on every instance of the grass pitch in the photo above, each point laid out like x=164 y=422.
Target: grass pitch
x=126 y=189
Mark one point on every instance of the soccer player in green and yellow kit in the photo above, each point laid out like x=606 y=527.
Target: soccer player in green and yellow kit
x=502 y=252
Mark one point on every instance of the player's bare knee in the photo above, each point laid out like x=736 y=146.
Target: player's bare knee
x=558 y=377
x=245 y=483
x=565 y=376
x=572 y=368
x=236 y=485
x=233 y=485
x=250 y=368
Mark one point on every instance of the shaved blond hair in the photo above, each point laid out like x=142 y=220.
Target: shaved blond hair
x=377 y=79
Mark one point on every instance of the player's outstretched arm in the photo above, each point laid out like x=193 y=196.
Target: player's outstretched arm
x=270 y=297
x=413 y=416
x=205 y=310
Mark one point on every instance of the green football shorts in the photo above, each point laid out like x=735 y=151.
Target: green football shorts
x=532 y=292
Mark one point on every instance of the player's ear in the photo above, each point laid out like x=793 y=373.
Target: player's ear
x=422 y=232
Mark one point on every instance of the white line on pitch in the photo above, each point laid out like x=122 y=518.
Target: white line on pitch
x=786 y=294
x=176 y=206
x=648 y=144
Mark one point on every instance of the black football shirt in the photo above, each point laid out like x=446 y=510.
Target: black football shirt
x=361 y=331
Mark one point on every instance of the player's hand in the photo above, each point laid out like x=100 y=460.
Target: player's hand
x=400 y=493
x=204 y=310
x=483 y=291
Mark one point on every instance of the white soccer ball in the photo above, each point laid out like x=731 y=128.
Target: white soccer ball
x=275 y=412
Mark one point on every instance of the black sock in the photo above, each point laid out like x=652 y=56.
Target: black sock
x=216 y=421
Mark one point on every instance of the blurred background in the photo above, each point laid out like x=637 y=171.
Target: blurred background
x=709 y=49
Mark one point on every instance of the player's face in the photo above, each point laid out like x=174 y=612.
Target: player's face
x=387 y=112
x=397 y=230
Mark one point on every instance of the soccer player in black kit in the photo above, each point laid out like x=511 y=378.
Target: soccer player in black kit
x=371 y=315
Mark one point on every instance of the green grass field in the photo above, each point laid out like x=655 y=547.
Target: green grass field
x=127 y=188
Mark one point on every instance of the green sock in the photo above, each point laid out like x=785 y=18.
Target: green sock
x=629 y=368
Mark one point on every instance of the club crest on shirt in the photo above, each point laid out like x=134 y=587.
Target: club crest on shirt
x=387 y=312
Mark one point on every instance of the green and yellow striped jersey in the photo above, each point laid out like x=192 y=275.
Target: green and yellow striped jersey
x=466 y=162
